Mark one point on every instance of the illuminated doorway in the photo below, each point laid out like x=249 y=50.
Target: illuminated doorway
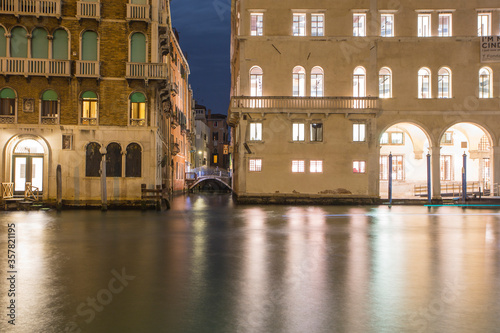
x=27 y=165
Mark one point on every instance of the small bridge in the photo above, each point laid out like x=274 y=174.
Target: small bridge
x=208 y=182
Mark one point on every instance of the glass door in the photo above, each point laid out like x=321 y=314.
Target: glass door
x=27 y=169
x=20 y=164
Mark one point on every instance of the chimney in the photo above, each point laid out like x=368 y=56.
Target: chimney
x=209 y=113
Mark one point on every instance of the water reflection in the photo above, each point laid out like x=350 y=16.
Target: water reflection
x=209 y=266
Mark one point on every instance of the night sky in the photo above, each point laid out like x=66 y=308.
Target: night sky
x=204 y=28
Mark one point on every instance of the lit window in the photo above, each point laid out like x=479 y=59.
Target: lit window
x=256 y=81
x=447 y=138
x=444 y=28
x=137 y=109
x=424 y=82
x=384 y=140
x=316 y=132
x=298 y=166
x=359 y=84
x=215 y=158
x=359 y=25
x=446 y=167
x=256 y=24
x=485 y=80
x=317 y=25
x=424 y=25
x=397 y=138
x=255 y=131
x=299 y=24
x=358 y=132
x=317 y=82
x=387 y=25
x=89 y=108
x=298 y=132
x=385 y=83
x=444 y=83
x=359 y=166
x=398 y=171
x=484 y=24
x=255 y=164
x=316 y=166
x=299 y=81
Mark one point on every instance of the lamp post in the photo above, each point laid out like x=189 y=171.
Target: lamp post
x=464 y=178
x=390 y=178
x=429 y=177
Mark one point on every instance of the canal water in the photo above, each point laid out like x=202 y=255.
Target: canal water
x=210 y=266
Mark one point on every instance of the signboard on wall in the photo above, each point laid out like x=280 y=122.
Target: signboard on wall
x=490 y=49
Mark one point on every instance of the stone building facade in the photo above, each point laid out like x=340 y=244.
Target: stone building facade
x=322 y=93
x=80 y=79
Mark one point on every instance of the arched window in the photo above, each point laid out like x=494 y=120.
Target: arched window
x=93 y=159
x=133 y=161
x=299 y=81
x=39 y=44
x=138 y=47
x=385 y=83
x=7 y=105
x=89 y=108
x=317 y=82
x=424 y=83
x=3 y=43
x=50 y=107
x=137 y=109
x=18 y=43
x=113 y=160
x=359 y=82
x=89 y=46
x=256 y=81
x=60 y=45
x=444 y=83
x=485 y=83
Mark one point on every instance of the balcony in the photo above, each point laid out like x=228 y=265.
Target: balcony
x=4 y=119
x=138 y=12
x=146 y=71
x=31 y=7
x=88 y=69
x=88 y=10
x=35 y=67
x=50 y=120
x=307 y=104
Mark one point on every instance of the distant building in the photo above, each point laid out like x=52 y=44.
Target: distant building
x=219 y=141
x=324 y=91
x=80 y=80
x=202 y=153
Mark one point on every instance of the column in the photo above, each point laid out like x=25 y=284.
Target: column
x=436 y=172
x=494 y=163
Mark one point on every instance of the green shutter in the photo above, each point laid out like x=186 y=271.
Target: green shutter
x=19 y=43
x=3 y=43
x=138 y=98
x=89 y=46
x=89 y=95
x=40 y=44
x=49 y=95
x=139 y=2
x=138 y=46
x=60 y=45
x=7 y=93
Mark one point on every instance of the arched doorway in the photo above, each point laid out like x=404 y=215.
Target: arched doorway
x=409 y=145
x=28 y=165
x=475 y=142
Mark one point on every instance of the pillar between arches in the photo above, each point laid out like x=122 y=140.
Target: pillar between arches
x=436 y=173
